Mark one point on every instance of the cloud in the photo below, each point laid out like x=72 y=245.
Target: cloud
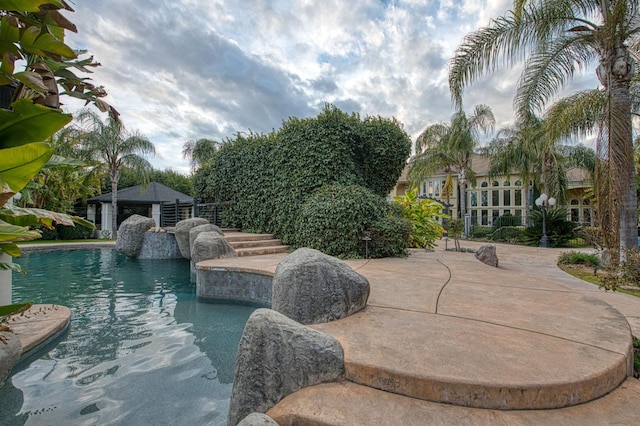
x=186 y=69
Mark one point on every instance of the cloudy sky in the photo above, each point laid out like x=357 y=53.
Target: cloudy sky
x=180 y=70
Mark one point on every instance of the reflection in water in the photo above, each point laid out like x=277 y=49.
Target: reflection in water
x=139 y=350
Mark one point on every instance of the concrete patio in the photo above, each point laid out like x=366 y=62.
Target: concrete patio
x=446 y=339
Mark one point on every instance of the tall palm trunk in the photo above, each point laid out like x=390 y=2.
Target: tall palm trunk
x=615 y=73
x=462 y=182
x=114 y=175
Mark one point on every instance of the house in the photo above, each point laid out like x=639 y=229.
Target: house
x=165 y=205
x=490 y=198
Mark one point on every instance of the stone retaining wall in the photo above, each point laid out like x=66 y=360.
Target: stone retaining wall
x=234 y=284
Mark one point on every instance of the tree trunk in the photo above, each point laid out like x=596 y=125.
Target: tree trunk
x=616 y=72
x=622 y=167
x=115 y=177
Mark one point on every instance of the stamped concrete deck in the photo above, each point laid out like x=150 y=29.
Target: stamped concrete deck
x=445 y=339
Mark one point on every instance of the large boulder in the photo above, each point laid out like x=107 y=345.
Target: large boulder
x=311 y=287
x=277 y=357
x=10 y=352
x=210 y=245
x=131 y=234
x=487 y=254
x=182 y=234
x=258 y=419
x=197 y=230
x=159 y=244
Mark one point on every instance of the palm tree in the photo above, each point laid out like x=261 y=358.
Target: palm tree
x=199 y=152
x=450 y=147
x=559 y=37
x=113 y=147
x=526 y=149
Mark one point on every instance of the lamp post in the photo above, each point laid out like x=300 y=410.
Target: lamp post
x=544 y=202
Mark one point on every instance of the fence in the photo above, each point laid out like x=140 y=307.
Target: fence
x=219 y=214
x=172 y=213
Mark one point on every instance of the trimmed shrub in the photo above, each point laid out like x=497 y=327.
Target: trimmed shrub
x=507 y=220
x=48 y=234
x=77 y=232
x=508 y=234
x=389 y=237
x=481 y=232
x=334 y=217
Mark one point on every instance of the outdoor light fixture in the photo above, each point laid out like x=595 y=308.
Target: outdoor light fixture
x=544 y=202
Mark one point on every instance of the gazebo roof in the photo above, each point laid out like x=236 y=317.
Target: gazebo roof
x=155 y=193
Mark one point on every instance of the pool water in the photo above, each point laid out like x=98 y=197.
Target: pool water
x=139 y=350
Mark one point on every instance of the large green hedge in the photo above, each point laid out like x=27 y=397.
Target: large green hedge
x=269 y=177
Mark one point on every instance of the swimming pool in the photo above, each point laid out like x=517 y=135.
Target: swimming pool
x=139 y=350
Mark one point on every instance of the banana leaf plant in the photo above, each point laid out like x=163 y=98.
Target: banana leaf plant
x=22 y=158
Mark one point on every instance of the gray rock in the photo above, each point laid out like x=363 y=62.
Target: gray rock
x=182 y=234
x=487 y=254
x=277 y=357
x=257 y=419
x=210 y=245
x=197 y=230
x=159 y=244
x=10 y=353
x=131 y=234
x=311 y=287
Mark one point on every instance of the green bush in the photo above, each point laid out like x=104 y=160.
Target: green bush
x=559 y=230
x=578 y=258
x=333 y=219
x=481 y=232
x=48 y=234
x=389 y=237
x=508 y=234
x=507 y=220
x=61 y=232
x=77 y=232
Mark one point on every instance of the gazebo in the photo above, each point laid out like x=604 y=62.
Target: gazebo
x=165 y=205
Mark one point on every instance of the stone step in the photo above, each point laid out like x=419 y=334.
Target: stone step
x=477 y=364
x=254 y=243
x=244 y=236
x=348 y=404
x=257 y=251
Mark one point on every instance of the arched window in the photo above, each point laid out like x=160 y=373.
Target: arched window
x=575 y=202
x=495 y=183
x=586 y=202
x=507 y=183
x=484 y=184
x=518 y=183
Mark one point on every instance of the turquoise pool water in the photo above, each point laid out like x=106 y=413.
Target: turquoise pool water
x=139 y=350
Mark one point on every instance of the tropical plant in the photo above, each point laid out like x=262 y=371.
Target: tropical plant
x=59 y=186
x=450 y=147
x=199 y=152
x=423 y=215
x=33 y=31
x=559 y=229
x=558 y=38
x=111 y=147
x=527 y=149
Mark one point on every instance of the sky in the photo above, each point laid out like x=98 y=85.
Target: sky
x=181 y=70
